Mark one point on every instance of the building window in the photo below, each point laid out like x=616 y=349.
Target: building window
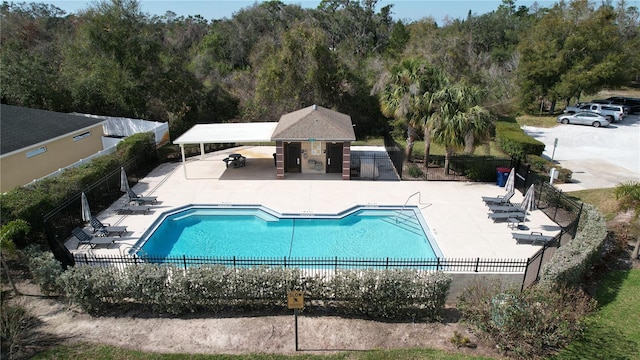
x=82 y=136
x=38 y=151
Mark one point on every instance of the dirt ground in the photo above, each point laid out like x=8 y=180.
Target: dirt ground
x=59 y=324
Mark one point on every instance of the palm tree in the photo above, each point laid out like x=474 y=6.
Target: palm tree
x=405 y=92
x=629 y=195
x=458 y=121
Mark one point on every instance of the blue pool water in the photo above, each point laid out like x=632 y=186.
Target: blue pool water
x=259 y=232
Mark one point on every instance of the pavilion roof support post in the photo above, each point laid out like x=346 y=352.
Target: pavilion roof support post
x=201 y=151
x=184 y=164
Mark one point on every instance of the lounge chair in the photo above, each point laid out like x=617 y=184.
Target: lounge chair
x=102 y=229
x=92 y=241
x=532 y=238
x=507 y=215
x=133 y=197
x=133 y=209
x=504 y=207
x=500 y=199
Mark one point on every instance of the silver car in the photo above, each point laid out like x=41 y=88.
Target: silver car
x=584 y=118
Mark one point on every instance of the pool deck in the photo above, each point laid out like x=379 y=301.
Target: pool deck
x=455 y=212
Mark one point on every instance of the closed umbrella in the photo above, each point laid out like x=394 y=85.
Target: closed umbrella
x=529 y=197
x=511 y=181
x=528 y=203
x=124 y=182
x=86 y=211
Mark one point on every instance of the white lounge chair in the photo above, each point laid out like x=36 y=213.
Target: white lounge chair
x=500 y=199
x=533 y=238
x=507 y=215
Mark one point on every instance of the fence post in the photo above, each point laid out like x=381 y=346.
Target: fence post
x=184 y=262
x=285 y=261
x=438 y=263
x=524 y=277
x=477 y=264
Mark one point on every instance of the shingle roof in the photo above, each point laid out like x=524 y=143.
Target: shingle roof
x=314 y=122
x=23 y=127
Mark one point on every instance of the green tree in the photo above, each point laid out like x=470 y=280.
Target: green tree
x=458 y=121
x=405 y=93
x=629 y=196
x=31 y=37
x=112 y=63
x=573 y=49
x=300 y=72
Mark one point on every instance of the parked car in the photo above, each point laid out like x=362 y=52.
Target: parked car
x=610 y=111
x=584 y=118
x=632 y=103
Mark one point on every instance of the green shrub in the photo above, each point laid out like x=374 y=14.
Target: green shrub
x=518 y=144
x=134 y=145
x=528 y=324
x=391 y=294
x=44 y=268
x=573 y=261
x=415 y=171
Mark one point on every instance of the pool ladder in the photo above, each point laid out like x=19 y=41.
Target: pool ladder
x=410 y=221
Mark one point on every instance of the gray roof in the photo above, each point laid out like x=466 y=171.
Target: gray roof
x=23 y=127
x=314 y=123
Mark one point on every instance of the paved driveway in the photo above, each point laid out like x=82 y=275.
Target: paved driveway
x=598 y=157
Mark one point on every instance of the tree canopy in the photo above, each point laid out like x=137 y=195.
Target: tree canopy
x=270 y=58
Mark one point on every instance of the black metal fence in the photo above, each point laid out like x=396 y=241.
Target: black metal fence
x=315 y=266
x=374 y=165
x=59 y=222
x=396 y=154
x=559 y=207
x=461 y=168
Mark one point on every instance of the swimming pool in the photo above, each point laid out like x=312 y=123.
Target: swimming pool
x=256 y=231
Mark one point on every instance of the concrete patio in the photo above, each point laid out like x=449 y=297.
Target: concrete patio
x=455 y=212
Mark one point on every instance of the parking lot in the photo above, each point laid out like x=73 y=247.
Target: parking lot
x=599 y=157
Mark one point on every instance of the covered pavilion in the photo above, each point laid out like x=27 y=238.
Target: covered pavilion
x=310 y=140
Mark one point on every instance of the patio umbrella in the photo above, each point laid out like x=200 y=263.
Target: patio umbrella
x=124 y=182
x=86 y=212
x=528 y=202
x=511 y=181
x=529 y=197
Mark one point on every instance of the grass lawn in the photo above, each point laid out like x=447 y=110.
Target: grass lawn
x=614 y=330
x=603 y=199
x=81 y=352
x=543 y=121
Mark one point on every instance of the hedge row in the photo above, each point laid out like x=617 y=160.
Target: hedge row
x=389 y=294
x=31 y=202
x=518 y=144
x=543 y=167
x=573 y=261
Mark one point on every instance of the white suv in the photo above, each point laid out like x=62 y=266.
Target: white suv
x=611 y=111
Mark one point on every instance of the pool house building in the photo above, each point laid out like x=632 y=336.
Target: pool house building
x=312 y=140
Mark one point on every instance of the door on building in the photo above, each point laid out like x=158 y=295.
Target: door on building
x=292 y=157
x=334 y=157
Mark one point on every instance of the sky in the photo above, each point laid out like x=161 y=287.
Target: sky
x=410 y=10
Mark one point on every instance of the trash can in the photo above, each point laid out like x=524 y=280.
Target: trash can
x=502 y=174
